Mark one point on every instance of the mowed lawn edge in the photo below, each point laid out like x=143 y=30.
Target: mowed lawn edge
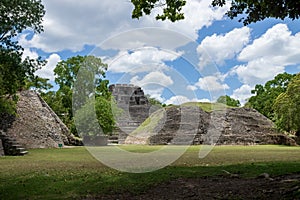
x=75 y=173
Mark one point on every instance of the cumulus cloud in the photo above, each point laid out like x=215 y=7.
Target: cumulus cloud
x=29 y=53
x=47 y=71
x=141 y=60
x=179 y=99
x=153 y=78
x=212 y=83
x=257 y=71
x=268 y=55
x=191 y=87
x=70 y=25
x=218 y=48
x=242 y=94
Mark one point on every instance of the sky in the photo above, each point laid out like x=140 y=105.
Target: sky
x=200 y=58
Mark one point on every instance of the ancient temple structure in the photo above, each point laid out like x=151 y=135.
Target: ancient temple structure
x=135 y=108
x=35 y=126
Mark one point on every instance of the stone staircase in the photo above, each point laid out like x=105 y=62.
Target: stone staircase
x=11 y=147
x=113 y=140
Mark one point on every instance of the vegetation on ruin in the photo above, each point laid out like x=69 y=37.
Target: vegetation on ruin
x=74 y=173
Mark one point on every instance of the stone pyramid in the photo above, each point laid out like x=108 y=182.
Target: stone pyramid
x=35 y=125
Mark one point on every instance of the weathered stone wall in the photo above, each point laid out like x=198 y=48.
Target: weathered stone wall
x=36 y=125
x=131 y=99
x=233 y=126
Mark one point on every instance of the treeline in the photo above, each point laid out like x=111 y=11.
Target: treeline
x=279 y=100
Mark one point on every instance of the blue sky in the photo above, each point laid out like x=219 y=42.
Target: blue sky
x=197 y=59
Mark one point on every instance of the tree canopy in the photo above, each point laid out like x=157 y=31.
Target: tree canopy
x=250 y=10
x=227 y=100
x=15 y=17
x=265 y=95
x=83 y=76
x=287 y=107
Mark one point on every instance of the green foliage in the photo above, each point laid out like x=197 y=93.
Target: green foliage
x=8 y=105
x=15 y=17
x=96 y=112
x=83 y=76
x=154 y=101
x=287 y=107
x=206 y=106
x=171 y=9
x=259 y=10
x=266 y=95
x=227 y=100
x=253 y=11
x=38 y=84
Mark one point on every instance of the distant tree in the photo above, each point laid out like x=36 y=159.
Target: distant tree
x=265 y=96
x=15 y=17
x=154 y=101
x=287 y=107
x=252 y=10
x=90 y=83
x=227 y=100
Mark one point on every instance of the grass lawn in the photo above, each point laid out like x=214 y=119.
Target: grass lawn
x=74 y=173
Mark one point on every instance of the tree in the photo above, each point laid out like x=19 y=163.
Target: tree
x=252 y=10
x=229 y=101
x=259 y=10
x=287 y=107
x=266 y=95
x=83 y=76
x=15 y=17
x=154 y=101
x=171 y=9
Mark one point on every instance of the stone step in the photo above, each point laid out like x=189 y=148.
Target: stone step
x=22 y=153
x=113 y=141
x=20 y=149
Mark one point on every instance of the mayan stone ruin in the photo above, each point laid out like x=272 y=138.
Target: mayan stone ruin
x=34 y=126
x=190 y=125
x=135 y=108
x=233 y=126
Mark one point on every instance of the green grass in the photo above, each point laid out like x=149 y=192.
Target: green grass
x=206 y=106
x=74 y=173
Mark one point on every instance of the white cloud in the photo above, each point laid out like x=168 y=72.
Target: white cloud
x=179 y=99
x=276 y=42
x=47 y=71
x=153 y=78
x=257 y=71
x=191 y=87
x=141 y=60
x=70 y=25
x=268 y=55
x=218 y=48
x=28 y=53
x=212 y=83
x=242 y=94
x=204 y=100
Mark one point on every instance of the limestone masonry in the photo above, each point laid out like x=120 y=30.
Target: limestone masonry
x=36 y=125
x=131 y=99
x=190 y=124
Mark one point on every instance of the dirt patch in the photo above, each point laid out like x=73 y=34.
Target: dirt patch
x=221 y=187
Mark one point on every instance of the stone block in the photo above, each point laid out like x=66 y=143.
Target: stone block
x=1 y=148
